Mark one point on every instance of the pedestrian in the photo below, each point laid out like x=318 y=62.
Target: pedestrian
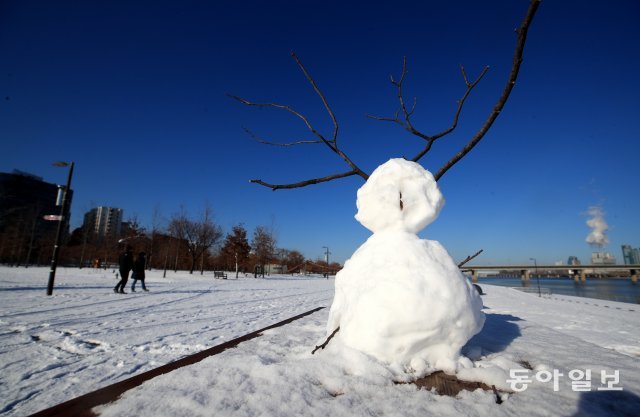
x=125 y=262
x=138 y=272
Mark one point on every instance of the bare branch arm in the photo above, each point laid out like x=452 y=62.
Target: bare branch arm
x=331 y=143
x=470 y=257
x=511 y=81
x=326 y=342
x=304 y=183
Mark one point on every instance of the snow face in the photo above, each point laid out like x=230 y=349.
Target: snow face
x=399 y=298
x=399 y=195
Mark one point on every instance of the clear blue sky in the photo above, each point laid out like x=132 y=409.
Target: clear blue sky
x=134 y=93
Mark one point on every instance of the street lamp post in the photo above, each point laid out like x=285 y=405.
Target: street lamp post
x=326 y=258
x=535 y=263
x=166 y=259
x=61 y=221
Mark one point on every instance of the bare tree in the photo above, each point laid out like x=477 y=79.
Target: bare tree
x=264 y=246
x=132 y=228
x=402 y=116
x=199 y=235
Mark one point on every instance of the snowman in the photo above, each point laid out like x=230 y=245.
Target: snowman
x=399 y=298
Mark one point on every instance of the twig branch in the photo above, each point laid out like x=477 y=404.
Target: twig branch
x=468 y=258
x=511 y=81
x=264 y=142
x=406 y=121
x=470 y=86
x=326 y=342
x=456 y=117
x=324 y=101
x=285 y=108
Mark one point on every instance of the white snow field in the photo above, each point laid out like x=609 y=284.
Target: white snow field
x=85 y=337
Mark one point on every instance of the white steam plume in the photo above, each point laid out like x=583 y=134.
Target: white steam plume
x=598 y=236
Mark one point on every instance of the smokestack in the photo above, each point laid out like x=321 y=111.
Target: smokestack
x=598 y=235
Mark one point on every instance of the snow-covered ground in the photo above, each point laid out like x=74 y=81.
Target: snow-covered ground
x=85 y=337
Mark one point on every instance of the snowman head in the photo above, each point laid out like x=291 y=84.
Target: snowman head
x=399 y=195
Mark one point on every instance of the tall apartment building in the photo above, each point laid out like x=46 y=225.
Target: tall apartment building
x=630 y=255
x=103 y=222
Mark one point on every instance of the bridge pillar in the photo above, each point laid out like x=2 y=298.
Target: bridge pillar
x=576 y=276
x=583 y=275
x=474 y=275
x=634 y=276
x=524 y=275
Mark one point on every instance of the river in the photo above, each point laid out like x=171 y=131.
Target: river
x=612 y=289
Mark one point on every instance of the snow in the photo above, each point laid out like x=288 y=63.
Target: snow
x=400 y=298
x=378 y=200
x=85 y=337
x=415 y=315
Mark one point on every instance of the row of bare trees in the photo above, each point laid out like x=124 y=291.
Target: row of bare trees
x=182 y=242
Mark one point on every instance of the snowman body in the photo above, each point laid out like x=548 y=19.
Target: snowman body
x=400 y=298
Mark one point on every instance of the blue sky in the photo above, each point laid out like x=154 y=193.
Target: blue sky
x=134 y=92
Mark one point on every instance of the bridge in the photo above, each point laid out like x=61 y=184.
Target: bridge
x=579 y=272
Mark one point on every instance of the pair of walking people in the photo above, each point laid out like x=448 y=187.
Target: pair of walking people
x=127 y=264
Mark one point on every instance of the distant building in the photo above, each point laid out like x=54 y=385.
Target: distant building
x=573 y=261
x=630 y=255
x=275 y=269
x=602 y=258
x=25 y=236
x=627 y=254
x=103 y=222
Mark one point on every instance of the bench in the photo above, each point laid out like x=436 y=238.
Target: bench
x=219 y=274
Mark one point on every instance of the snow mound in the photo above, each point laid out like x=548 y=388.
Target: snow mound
x=400 y=298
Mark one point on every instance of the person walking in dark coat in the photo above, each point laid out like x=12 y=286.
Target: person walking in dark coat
x=138 y=271
x=125 y=262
